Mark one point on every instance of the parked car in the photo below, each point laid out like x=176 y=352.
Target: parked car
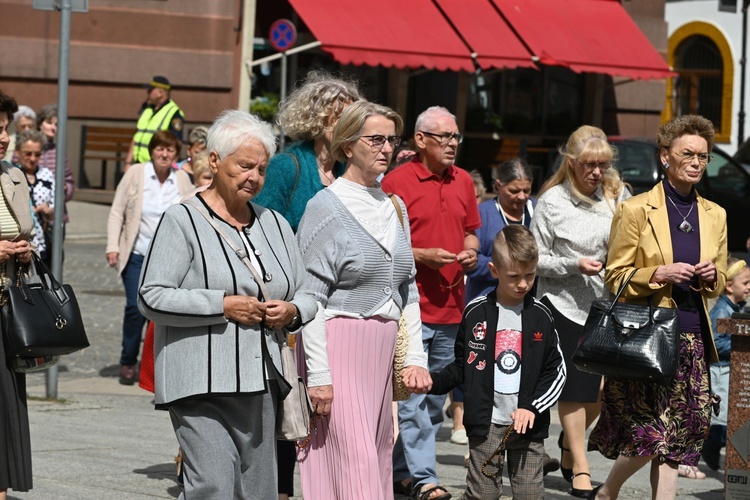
x=725 y=182
x=743 y=155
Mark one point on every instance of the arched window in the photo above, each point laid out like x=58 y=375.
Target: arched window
x=699 y=53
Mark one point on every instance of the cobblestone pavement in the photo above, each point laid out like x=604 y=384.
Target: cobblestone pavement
x=123 y=448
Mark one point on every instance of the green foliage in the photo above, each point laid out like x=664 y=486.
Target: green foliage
x=265 y=105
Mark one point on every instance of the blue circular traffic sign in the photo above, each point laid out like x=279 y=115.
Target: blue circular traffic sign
x=283 y=35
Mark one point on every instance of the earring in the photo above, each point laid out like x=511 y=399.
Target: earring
x=666 y=165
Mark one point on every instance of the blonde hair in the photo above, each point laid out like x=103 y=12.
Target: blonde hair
x=585 y=143
x=735 y=267
x=306 y=112
x=200 y=165
x=352 y=122
x=478 y=182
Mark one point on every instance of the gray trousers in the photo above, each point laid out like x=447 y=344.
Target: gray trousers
x=228 y=445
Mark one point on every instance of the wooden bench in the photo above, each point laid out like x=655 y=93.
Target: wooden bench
x=108 y=145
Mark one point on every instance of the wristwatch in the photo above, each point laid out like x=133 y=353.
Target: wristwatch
x=296 y=321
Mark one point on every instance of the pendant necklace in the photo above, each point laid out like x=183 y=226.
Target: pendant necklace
x=684 y=226
x=505 y=219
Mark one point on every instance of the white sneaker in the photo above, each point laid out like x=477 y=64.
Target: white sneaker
x=459 y=437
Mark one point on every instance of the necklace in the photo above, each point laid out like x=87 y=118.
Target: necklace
x=326 y=178
x=684 y=226
x=505 y=219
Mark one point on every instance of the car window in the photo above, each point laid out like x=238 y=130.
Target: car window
x=635 y=161
x=723 y=175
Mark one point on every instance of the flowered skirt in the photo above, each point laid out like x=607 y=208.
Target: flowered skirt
x=668 y=421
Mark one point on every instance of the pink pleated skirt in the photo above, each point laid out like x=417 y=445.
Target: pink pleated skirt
x=350 y=455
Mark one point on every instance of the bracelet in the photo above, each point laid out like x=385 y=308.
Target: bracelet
x=476 y=251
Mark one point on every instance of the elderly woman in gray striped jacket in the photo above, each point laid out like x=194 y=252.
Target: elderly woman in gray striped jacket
x=217 y=360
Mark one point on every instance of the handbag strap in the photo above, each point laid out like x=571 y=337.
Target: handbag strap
x=240 y=252
x=622 y=289
x=397 y=205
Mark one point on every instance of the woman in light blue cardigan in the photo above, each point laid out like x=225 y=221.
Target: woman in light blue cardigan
x=217 y=359
x=512 y=205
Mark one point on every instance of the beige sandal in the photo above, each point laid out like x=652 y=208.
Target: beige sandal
x=690 y=472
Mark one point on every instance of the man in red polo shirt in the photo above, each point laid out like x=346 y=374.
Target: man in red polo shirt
x=442 y=208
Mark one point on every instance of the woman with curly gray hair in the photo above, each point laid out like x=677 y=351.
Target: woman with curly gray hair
x=308 y=115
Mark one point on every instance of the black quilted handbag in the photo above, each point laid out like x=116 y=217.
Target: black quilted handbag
x=629 y=341
x=41 y=319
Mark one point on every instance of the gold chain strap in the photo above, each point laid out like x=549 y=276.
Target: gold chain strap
x=498 y=453
x=4 y=297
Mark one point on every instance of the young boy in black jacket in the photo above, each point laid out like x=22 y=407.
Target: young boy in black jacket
x=508 y=357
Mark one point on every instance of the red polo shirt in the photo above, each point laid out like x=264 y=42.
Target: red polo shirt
x=440 y=211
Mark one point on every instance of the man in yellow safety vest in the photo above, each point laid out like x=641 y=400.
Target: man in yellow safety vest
x=159 y=112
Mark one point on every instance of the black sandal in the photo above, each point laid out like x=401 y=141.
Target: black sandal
x=425 y=495
x=581 y=493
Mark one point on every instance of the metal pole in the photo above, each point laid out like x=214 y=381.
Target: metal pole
x=62 y=138
x=282 y=93
x=743 y=67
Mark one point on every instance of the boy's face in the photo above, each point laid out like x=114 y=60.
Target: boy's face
x=515 y=279
x=739 y=286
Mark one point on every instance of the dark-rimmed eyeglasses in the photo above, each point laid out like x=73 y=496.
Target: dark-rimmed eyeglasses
x=446 y=138
x=687 y=156
x=378 y=141
x=591 y=165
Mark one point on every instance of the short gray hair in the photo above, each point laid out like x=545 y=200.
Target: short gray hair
x=233 y=128
x=431 y=114
x=24 y=112
x=30 y=136
x=198 y=135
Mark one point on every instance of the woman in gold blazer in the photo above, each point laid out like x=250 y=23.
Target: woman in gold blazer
x=677 y=241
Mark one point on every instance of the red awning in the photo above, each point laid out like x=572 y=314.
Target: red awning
x=487 y=33
x=404 y=34
x=595 y=36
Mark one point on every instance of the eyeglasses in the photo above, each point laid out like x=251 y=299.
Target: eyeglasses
x=378 y=141
x=688 y=156
x=602 y=165
x=446 y=138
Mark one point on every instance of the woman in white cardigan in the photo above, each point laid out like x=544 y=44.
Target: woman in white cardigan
x=144 y=193
x=217 y=359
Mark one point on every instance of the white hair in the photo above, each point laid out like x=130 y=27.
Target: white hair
x=25 y=112
x=429 y=115
x=233 y=128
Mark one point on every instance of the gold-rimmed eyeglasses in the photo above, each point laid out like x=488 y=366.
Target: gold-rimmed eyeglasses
x=379 y=140
x=591 y=165
x=688 y=156
x=445 y=138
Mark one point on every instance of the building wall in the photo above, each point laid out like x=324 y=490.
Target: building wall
x=634 y=107
x=117 y=47
x=680 y=13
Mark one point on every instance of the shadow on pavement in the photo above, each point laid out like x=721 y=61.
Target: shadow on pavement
x=110 y=371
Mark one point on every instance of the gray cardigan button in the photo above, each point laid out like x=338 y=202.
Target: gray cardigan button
x=387 y=290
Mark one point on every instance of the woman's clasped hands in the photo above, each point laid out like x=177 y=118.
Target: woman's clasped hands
x=251 y=311
x=20 y=249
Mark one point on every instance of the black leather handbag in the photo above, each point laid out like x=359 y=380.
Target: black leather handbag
x=41 y=319
x=629 y=341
